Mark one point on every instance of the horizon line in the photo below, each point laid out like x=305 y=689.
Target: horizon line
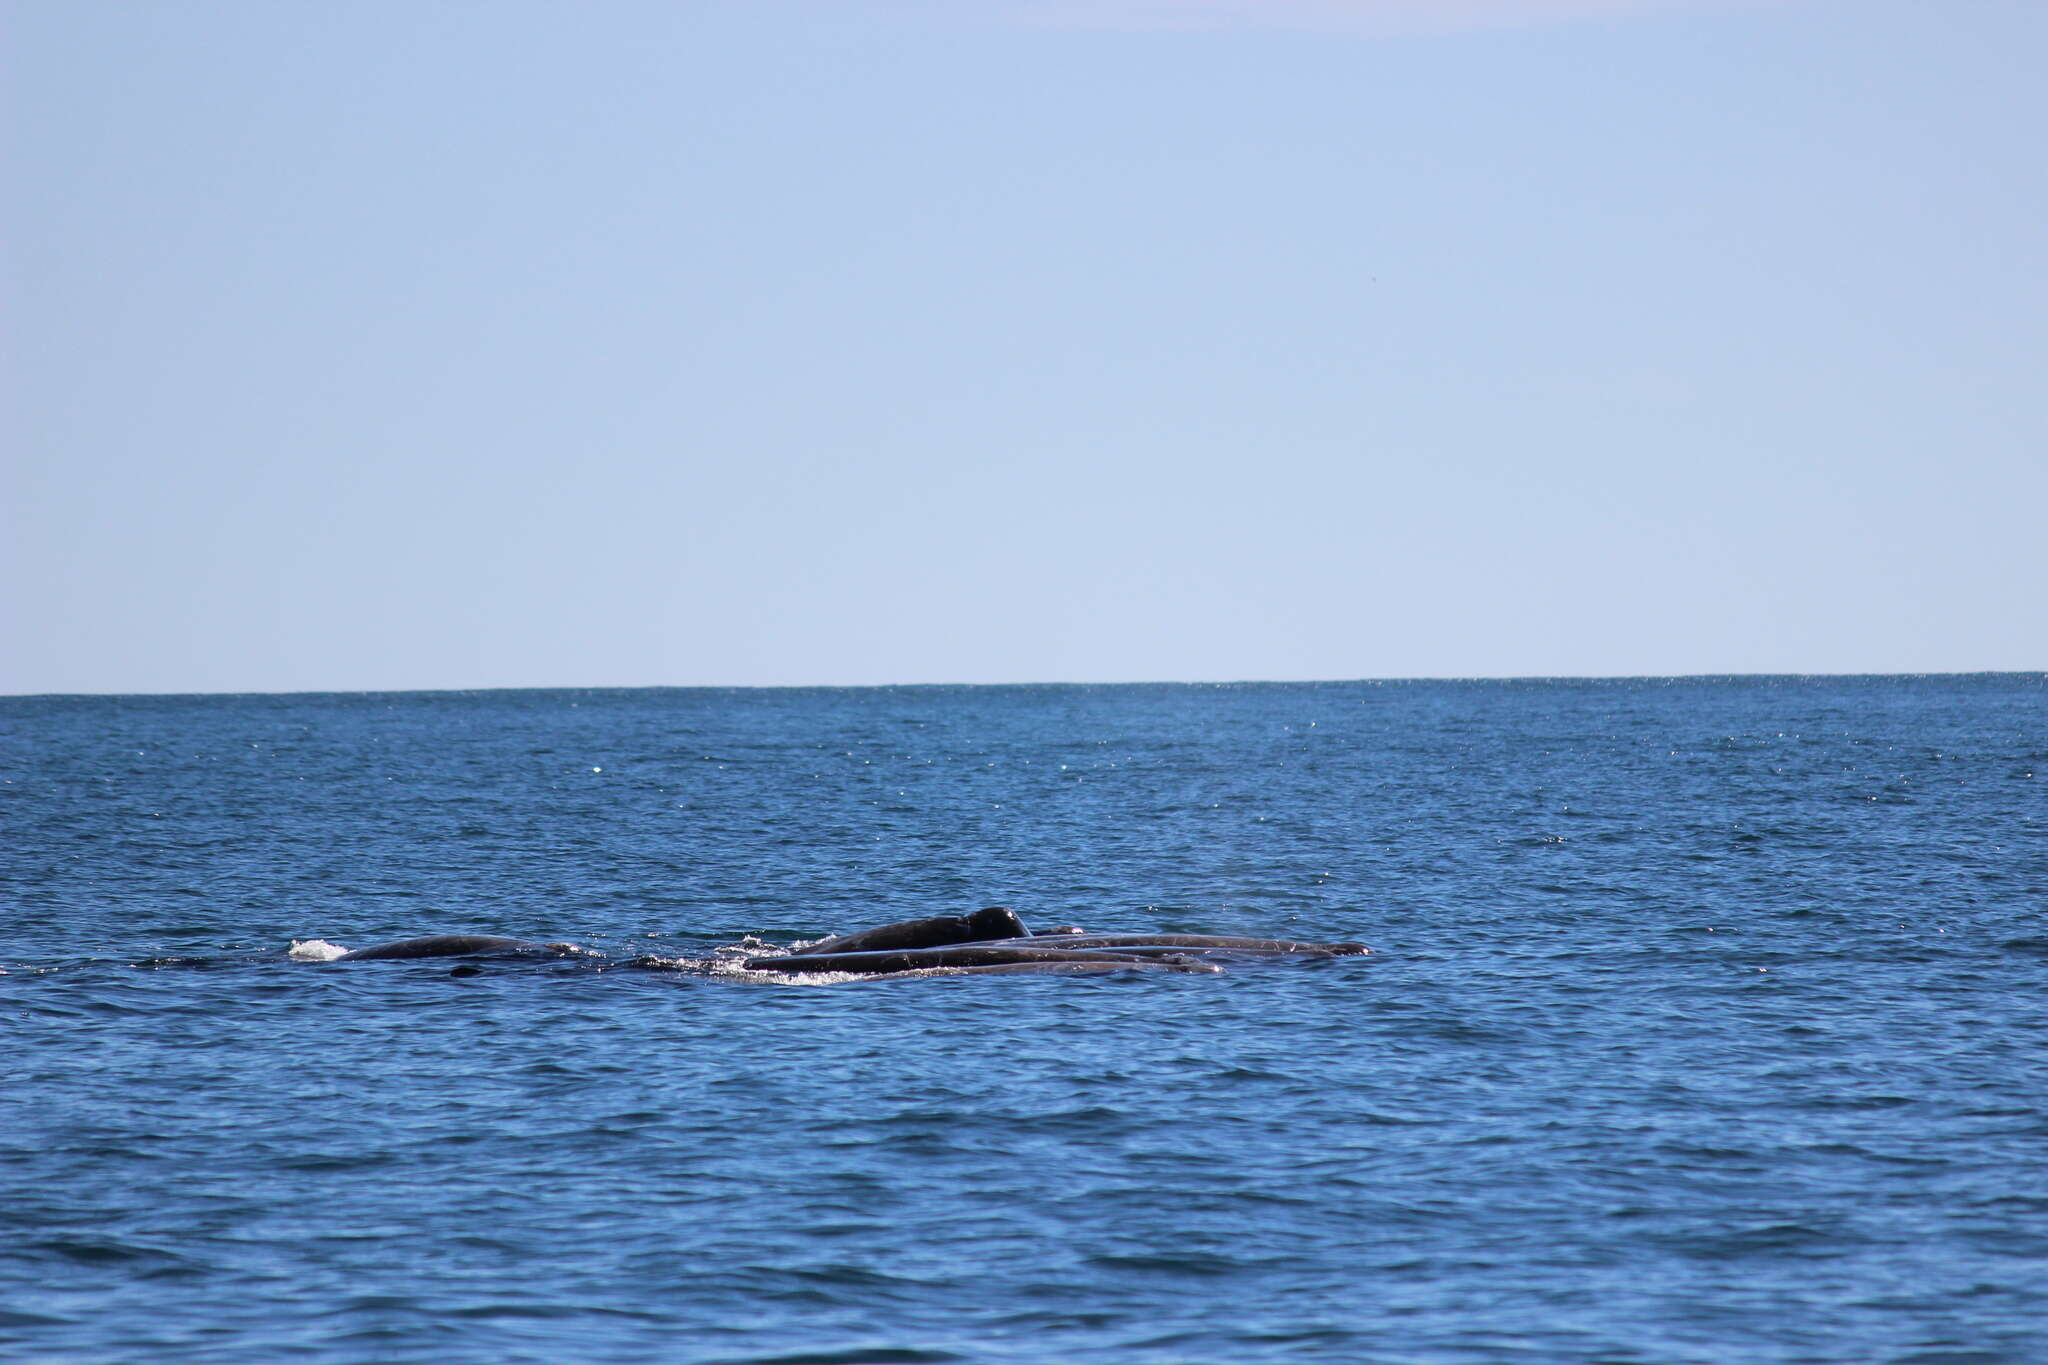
x=1127 y=682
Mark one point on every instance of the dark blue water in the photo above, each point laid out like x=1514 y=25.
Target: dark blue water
x=1707 y=1022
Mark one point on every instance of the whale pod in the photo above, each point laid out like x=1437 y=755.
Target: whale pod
x=987 y=925
x=979 y=955
x=458 y=945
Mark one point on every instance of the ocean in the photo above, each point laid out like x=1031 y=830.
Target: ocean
x=1707 y=1020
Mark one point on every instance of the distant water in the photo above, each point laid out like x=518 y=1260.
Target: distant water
x=1708 y=1022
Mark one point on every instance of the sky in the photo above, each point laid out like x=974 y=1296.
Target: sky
x=794 y=342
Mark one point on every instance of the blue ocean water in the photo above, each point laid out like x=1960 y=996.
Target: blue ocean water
x=1706 y=1022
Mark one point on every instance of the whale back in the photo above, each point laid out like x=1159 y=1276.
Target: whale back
x=1079 y=968
x=454 y=945
x=997 y=922
x=992 y=923
x=912 y=959
x=1271 y=947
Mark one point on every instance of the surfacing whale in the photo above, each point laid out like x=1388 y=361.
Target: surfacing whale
x=1260 y=947
x=988 y=942
x=1021 y=953
x=934 y=947
x=990 y=925
x=460 y=945
x=1074 y=968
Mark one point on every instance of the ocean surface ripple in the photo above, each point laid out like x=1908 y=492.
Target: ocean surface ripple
x=1705 y=1022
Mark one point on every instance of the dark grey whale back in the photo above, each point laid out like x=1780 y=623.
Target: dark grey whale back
x=457 y=945
x=993 y=923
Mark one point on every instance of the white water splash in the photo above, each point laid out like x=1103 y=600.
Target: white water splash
x=315 y=950
x=749 y=946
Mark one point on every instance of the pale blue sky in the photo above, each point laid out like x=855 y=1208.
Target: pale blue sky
x=391 y=345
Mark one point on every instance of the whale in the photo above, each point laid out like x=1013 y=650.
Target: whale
x=459 y=945
x=1045 y=969
x=1195 y=953
x=990 y=925
x=991 y=942
x=912 y=959
x=1262 y=947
